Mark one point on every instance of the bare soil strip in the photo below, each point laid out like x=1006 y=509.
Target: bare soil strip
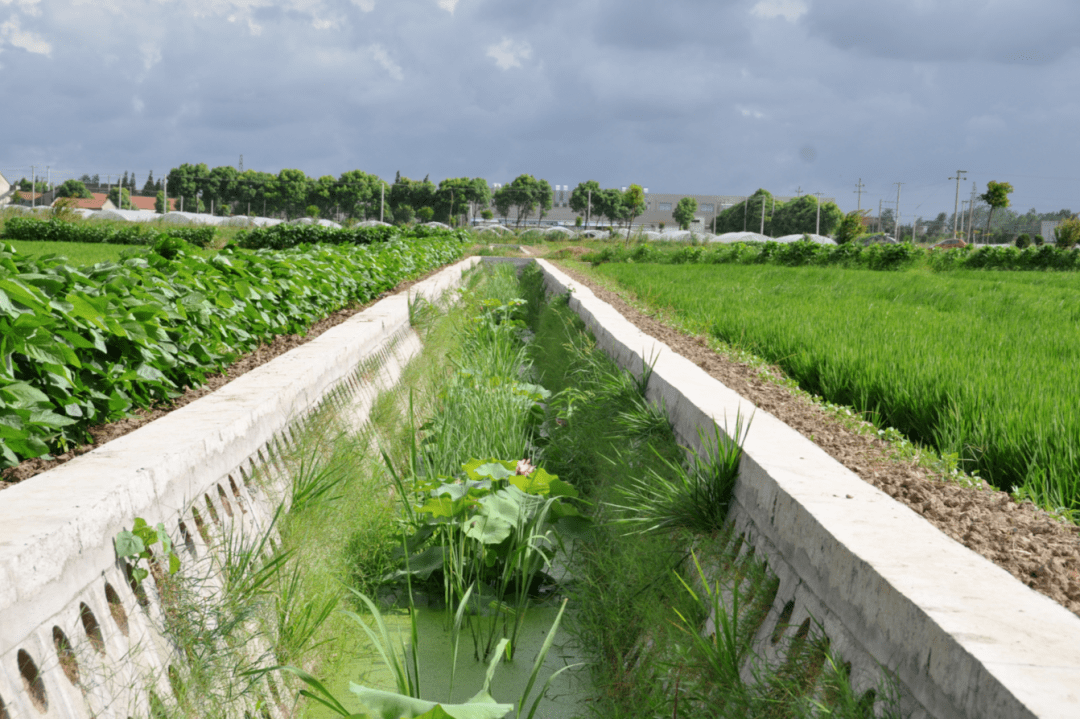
x=1039 y=550
x=245 y=363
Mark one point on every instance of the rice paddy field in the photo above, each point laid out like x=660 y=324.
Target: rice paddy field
x=983 y=365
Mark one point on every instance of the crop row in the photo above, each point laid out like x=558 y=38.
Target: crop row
x=873 y=257
x=279 y=237
x=981 y=366
x=83 y=346
x=54 y=230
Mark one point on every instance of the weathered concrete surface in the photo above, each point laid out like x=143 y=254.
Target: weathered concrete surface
x=57 y=530
x=964 y=637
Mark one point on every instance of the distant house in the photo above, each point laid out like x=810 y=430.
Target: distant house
x=99 y=201
x=6 y=191
x=148 y=203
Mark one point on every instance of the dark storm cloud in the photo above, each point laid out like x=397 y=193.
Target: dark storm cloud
x=687 y=95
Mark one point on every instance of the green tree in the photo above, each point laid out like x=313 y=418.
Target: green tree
x=73 y=188
x=800 y=216
x=581 y=198
x=1067 y=234
x=479 y=195
x=503 y=199
x=414 y=193
x=452 y=198
x=121 y=201
x=524 y=193
x=608 y=203
x=545 y=198
x=149 y=189
x=746 y=215
x=312 y=211
x=684 y=211
x=634 y=201
x=1023 y=240
x=996 y=195
x=220 y=187
x=322 y=193
x=290 y=192
x=358 y=194
x=159 y=203
x=185 y=182
x=425 y=214
x=851 y=227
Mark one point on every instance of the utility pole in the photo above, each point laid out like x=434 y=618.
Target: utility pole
x=382 y=199
x=588 y=210
x=165 y=196
x=858 y=190
x=963 y=211
x=818 y=203
x=798 y=191
x=879 y=215
x=32 y=183
x=762 y=217
x=971 y=213
x=48 y=177
x=745 y=205
x=957 y=201
x=898 y=209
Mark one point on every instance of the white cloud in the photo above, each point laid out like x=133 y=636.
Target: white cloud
x=364 y=5
x=509 y=53
x=448 y=5
x=138 y=105
x=392 y=68
x=29 y=7
x=790 y=10
x=17 y=37
x=151 y=55
x=750 y=112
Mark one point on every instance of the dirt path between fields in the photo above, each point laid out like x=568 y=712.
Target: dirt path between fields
x=1034 y=547
x=244 y=364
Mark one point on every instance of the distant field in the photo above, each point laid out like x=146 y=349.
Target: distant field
x=982 y=364
x=77 y=253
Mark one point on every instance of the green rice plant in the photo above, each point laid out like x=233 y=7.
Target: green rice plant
x=698 y=497
x=976 y=364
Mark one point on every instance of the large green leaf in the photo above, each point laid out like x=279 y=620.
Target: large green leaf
x=388 y=705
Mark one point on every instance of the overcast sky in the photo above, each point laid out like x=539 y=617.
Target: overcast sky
x=682 y=96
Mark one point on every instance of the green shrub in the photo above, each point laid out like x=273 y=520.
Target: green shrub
x=1023 y=240
x=55 y=230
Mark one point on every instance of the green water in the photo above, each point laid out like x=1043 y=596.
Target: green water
x=565 y=699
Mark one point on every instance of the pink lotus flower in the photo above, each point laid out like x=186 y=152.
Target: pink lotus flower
x=525 y=467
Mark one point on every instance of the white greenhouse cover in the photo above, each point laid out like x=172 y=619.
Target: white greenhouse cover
x=372 y=223
x=729 y=237
x=438 y=225
x=820 y=239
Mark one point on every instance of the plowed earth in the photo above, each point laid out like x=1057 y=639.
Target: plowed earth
x=1039 y=550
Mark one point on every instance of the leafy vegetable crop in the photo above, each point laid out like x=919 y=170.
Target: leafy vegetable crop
x=52 y=230
x=283 y=236
x=84 y=346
